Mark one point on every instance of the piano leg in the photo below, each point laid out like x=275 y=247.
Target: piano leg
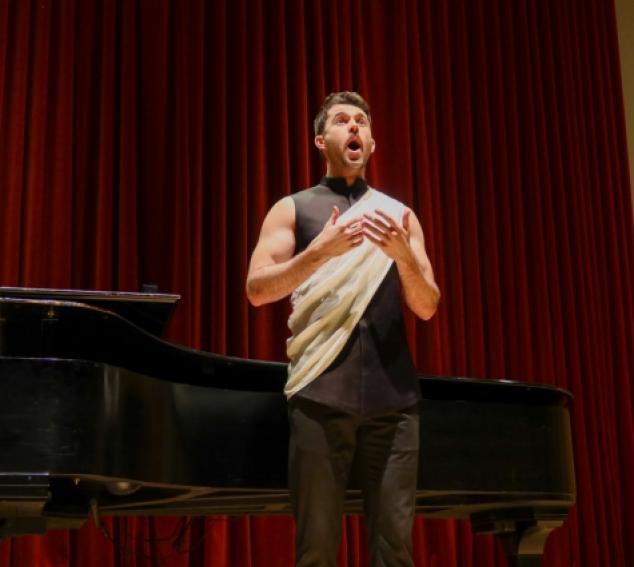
x=523 y=540
x=3 y=335
x=525 y=546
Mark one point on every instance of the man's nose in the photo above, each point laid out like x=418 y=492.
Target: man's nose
x=354 y=127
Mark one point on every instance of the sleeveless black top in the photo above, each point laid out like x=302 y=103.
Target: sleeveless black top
x=374 y=372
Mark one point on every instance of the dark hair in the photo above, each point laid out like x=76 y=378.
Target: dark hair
x=343 y=97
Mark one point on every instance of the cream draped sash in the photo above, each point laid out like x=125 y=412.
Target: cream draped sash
x=328 y=305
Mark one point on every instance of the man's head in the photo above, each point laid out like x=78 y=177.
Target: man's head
x=343 y=97
x=343 y=134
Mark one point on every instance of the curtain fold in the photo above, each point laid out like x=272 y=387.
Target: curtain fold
x=142 y=142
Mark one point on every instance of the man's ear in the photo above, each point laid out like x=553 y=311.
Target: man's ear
x=319 y=142
x=373 y=146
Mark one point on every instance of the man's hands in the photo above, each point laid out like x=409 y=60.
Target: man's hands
x=274 y=272
x=335 y=239
x=381 y=229
x=405 y=244
x=388 y=235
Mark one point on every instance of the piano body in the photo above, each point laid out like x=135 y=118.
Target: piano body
x=100 y=416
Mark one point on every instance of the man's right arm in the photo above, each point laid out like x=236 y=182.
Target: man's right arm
x=274 y=272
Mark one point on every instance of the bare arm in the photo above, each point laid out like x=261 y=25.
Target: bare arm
x=406 y=245
x=274 y=272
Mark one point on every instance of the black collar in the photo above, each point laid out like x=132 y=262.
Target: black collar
x=338 y=185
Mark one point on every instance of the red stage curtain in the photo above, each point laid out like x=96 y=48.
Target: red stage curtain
x=143 y=141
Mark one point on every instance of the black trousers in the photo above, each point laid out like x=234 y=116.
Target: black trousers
x=324 y=441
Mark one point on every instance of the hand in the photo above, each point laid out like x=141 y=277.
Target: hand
x=335 y=239
x=390 y=236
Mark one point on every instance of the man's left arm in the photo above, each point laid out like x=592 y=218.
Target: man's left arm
x=405 y=244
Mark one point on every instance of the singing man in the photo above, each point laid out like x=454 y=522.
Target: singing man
x=346 y=253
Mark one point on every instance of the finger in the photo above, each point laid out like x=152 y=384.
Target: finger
x=387 y=217
x=393 y=224
x=334 y=215
x=375 y=240
x=406 y=215
x=353 y=229
x=377 y=223
x=377 y=232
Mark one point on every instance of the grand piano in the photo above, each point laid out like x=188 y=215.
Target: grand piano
x=101 y=417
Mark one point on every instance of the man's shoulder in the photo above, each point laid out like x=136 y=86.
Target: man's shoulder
x=309 y=193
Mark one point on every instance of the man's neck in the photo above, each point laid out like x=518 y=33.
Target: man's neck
x=338 y=184
x=350 y=180
x=349 y=176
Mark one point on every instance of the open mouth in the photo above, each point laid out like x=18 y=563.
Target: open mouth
x=354 y=148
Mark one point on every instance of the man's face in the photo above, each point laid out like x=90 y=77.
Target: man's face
x=347 y=142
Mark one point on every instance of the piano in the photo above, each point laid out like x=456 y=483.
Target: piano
x=99 y=416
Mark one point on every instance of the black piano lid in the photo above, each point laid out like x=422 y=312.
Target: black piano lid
x=56 y=329
x=149 y=311
x=490 y=389
x=109 y=336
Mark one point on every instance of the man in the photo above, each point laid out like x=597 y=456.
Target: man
x=347 y=252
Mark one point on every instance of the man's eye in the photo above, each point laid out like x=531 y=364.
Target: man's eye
x=340 y=121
